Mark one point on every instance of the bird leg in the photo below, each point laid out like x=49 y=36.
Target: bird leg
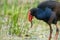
x=49 y=22
x=50 y=36
x=57 y=32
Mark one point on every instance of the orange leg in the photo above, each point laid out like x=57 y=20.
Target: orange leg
x=57 y=32
x=50 y=36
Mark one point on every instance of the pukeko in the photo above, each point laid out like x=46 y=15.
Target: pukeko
x=49 y=12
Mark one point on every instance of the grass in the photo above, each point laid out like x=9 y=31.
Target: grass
x=15 y=18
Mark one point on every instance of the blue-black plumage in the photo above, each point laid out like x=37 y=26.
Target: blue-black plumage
x=43 y=14
x=48 y=11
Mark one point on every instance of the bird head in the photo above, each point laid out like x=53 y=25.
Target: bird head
x=31 y=14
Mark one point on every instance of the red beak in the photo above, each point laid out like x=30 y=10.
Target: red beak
x=30 y=17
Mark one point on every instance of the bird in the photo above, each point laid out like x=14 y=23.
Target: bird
x=49 y=12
